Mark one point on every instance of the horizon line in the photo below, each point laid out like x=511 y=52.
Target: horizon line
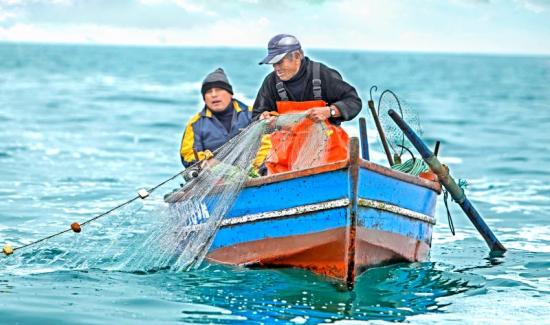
x=244 y=47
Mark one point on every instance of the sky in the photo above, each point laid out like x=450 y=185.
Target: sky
x=455 y=26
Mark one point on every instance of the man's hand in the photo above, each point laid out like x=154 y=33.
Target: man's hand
x=318 y=114
x=270 y=117
x=209 y=163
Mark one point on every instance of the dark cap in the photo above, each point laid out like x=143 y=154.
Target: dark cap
x=279 y=46
x=216 y=79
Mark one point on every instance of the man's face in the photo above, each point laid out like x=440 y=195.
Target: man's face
x=217 y=99
x=287 y=67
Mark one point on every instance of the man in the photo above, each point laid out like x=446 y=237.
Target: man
x=221 y=119
x=298 y=84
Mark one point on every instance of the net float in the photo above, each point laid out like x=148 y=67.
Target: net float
x=75 y=226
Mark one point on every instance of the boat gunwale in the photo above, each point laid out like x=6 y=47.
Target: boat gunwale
x=338 y=165
x=342 y=164
x=264 y=180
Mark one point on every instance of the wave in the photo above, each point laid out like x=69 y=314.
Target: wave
x=139 y=99
x=137 y=85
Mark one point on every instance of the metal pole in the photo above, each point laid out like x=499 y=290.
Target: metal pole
x=364 y=139
x=380 y=132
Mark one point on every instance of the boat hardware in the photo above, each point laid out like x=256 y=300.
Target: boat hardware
x=364 y=138
x=436 y=150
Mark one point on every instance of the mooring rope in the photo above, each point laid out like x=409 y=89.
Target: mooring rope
x=462 y=183
x=76 y=227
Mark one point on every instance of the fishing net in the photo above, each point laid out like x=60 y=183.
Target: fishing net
x=313 y=148
x=196 y=211
x=397 y=140
x=153 y=235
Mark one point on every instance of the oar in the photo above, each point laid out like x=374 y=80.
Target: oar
x=449 y=183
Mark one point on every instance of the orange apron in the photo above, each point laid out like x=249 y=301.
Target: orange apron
x=286 y=144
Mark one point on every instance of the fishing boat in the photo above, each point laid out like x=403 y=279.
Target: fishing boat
x=336 y=220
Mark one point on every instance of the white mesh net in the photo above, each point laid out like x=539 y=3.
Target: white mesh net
x=153 y=234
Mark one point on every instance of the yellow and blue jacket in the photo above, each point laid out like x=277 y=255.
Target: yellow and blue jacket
x=205 y=132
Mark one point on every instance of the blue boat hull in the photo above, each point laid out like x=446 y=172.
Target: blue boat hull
x=336 y=220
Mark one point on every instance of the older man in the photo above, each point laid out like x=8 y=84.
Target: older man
x=298 y=84
x=221 y=119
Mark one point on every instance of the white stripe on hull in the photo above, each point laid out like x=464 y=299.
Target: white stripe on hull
x=286 y=212
x=379 y=205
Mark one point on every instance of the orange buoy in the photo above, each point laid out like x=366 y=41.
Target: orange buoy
x=8 y=250
x=429 y=175
x=75 y=226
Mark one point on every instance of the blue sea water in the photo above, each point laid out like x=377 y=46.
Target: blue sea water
x=83 y=127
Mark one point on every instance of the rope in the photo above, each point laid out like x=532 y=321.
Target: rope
x=411 y=166
x=151 y=190
x=449 y=218
x=417 y=166
x=462 y=183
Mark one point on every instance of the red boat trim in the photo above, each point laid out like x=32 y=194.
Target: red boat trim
x=341 y=165
x=181 y=194
x=435 y=186
x=296 y=174
x=401 y=176
x=379 y=205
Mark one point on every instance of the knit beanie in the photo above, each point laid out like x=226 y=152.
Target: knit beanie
x=216 y=79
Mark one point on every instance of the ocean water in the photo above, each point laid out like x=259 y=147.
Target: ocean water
x=82 y=128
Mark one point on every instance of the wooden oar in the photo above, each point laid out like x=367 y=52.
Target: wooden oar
x=449 y=183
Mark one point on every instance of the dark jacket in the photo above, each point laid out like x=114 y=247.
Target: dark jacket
x=205 y=132
x=335 y=91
